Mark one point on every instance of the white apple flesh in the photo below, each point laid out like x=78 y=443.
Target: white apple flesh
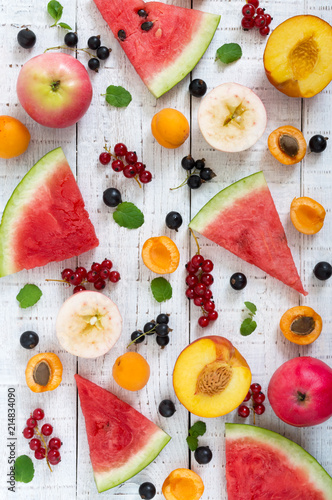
x=231 y=118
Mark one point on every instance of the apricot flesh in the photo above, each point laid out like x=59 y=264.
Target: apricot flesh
x=307 y=215
x=210 y=377
x=183 y=484
x=161 y=255
x=298 y=56
x=170 y=128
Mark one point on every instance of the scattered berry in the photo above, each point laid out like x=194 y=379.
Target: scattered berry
x=107 y=263
x=268 y=19
x=206 y=174
x=200 y=164
x=66 y=273
x=162 y=319
x=26 y=38
x=99 y=284
x=248 y=396
x=260 y=21
x=243 y=411
x=96 y=267
x=120 y=149
x=194 y=181
x=209 y=306
x=38 y=414
x=129 y=172
x=197 y=87
x=47 y=429
x=82 y=271
x=203 y=321
x=54 y=443
x=31 y=423
x=93 y=64
x=40 y=454
x=137 y=337
x=192 y=280
x=258 y=397
x=207 y=266
x=28 y=433
x=29 y=340
x=197 y=261
x=94 y=42
x=248 y=10
x=255 y=388
x=188 y=162
x=238 y=281
x=247 y=24
x=34 y=444
x=323 y=271
x=79 y=288
x=114 y=277
x=117 y=165
x=104 y=158
x=167 y=408
x=71 y=39
x=264 y=31
x=203 y=455
x=104 y=273
x=139 y=167
x=173 y=220
x=162 y=330
x=75 y=279
x=317 y=143
x=92 y=276
x=147 y=491
x=103 y=53
x=198 y=301
x=149 y=328
x=131 y=157
x=255 y=3
x=259 y=409
x=112 y=197
x=145 y=176
x=162 y=341
x=190 y=294
x=207 y=279
x=260 y=11
x=54 y=457
x=213 y=315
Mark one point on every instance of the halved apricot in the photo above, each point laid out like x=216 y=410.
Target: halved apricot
x=43 y=372
x=307 y=215
x=287 y=145
x=301 y=325
x=170 y=128
x=161 y=255
x=183 y=484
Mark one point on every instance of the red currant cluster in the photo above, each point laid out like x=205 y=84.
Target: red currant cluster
x=199 y=281
x=49 y=450
x=98 y=274
x=128 y=165
x=255 y=17
x=257 y=397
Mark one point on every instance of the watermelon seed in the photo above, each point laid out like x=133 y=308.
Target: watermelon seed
x=122 y=35
x=147 y=26
x=142 y=13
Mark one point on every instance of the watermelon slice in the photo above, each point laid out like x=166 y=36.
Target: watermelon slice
x=45 y=219
x=243 y=219
x=263 y=465
x=122 y=441
x=175 y=40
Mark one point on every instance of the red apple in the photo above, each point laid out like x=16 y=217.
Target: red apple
x=54 y=89
x=300 y=391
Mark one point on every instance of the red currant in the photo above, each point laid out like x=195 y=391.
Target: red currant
x=99 y=284
x=255 y=3
x=248 y=10
x=28 y=433
x=207 y=266
x=255 y=388
x=198 y=301
x=34 y=444
x=31 y=423
x=114 y=277
x=104 y=273
x=79 y=288
x=145 y=176
x=191 y=280
x=207 y=279
x=120 y=149
x=131 y=157
x=209 y=306
x=208 y=295
x=96 y=267
x=54 y=457
x=190 y=267
x=258 y=397
x=66 y=273
x=260 y=21
x=268 y=19
x=243 y=411
x=260 y=11
x=248 y=396
x=259 y=409
x=107 y=263
x=197 y=260
x=40 y=453
x=200 y=289
x=247 y=24
x=203 y=321
x=75 y=279
x=47 y=429
x=213 y=315
x=104 y=158
x=129 y=171
x=82 y=272
x=92 y=276
x=190 y=293
x=38 y=414
x=139 y=167
x=264 y=31
x=54 y=443
x=117 y=165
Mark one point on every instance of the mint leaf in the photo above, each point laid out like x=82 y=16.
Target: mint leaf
x=55 y=9
x=252 y=308
x=161 y=289
x=128 y=215
x=229 y=52
x=192 y=443
x=29 y=295
x=65 y=26
x=24 y=469
x=117 y=96
x=198 y=429
x=248 y=326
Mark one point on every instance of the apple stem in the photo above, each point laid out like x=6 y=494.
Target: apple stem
x=196 y=241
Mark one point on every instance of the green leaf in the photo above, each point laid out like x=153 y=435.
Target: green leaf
x=24 y=469
x=229 y=52
x=199 y=428
x=161 y=289
x=248 y=326
x=28 y=295
x=117 y=96
x=192 y=443
x=65 y=26
x=128 y=215
x=252 y=308
x=55 y=9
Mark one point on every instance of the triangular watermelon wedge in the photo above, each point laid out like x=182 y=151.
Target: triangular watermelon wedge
x=45 y=219
x=175 y=39
x=122 y=441
x=243 y=219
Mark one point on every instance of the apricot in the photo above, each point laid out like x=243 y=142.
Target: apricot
x=301 y=325
x=297 y=57
x=43 y=372
x=210 y=377
x=131 y=371
x=161 y=255
x=14 y=137
x=170 y=128
x=183 y=484
x=307 y=215
x=287 y=145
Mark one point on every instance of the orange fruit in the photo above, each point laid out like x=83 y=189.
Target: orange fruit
x=14 y=137
x=161 y=255
x=131 y=371
x=170 y=127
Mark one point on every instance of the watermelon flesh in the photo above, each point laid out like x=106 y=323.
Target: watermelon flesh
x=243 y=219
x=45 y=219
x=263 y=465
x=166 y=53
x=122 y=441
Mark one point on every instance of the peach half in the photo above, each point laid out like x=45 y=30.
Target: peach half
x=210 y=377
x=298 y=56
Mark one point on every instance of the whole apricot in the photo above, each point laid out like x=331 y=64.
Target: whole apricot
x=131 y=371
x=14 y=137
x=170 y=128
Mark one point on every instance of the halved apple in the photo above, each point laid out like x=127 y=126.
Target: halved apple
x=210 y=377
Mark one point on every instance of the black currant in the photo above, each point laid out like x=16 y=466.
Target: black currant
x=94 y=63
x=200 y=164
x=147 y=491
x=188 y=162
x=162 y=341
x=26 y=38
x=29 y=340
x=134 y=336
x=167 y=408
x=71 y=39
x=238 y=281
x=207 y=174
x=203 y=455
x=149 y=328
x=194 y=181
x=173 y=220
x=103 y=52
x=317 y=143
x=162 y=330
x=162 y=319
x=323 y=271
x=197 y=87
x=94 y=42
x=112 y=197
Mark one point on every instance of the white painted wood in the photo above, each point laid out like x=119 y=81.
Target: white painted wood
x=265 y=350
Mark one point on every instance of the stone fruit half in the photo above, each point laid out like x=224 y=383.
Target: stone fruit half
x=210 y=377
x=231 y=117
x=88 y=324
x=298 y=56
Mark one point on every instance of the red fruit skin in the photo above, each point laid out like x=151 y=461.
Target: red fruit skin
x=307 y=376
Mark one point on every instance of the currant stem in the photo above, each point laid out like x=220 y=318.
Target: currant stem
x=142 y=335
x=182 y=184
x=44 y=443
x=138 y=182
x=196 y=241
x=68 y=48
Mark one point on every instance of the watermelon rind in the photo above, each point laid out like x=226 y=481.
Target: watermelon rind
x=294 y=454
x=110 y=479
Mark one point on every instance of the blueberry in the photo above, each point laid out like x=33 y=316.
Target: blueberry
x=317 y=143
x=71 y=39
x=238 y=281
x=162 y=319
x=162 y=341
x=323 y=271
x=167 y=408
x=94 y=42
x=188 y=162
x=94 y=63
x=147 y=491
x=173 y=220
x=136 y=336
x=194 y=181
x=149 y=328
x=197 y=87
x=26 y=38
x=203 y=455
x=29 y=340
x=103 y=53
x=112 y=197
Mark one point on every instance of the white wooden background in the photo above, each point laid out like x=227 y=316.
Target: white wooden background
x=264 y=350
